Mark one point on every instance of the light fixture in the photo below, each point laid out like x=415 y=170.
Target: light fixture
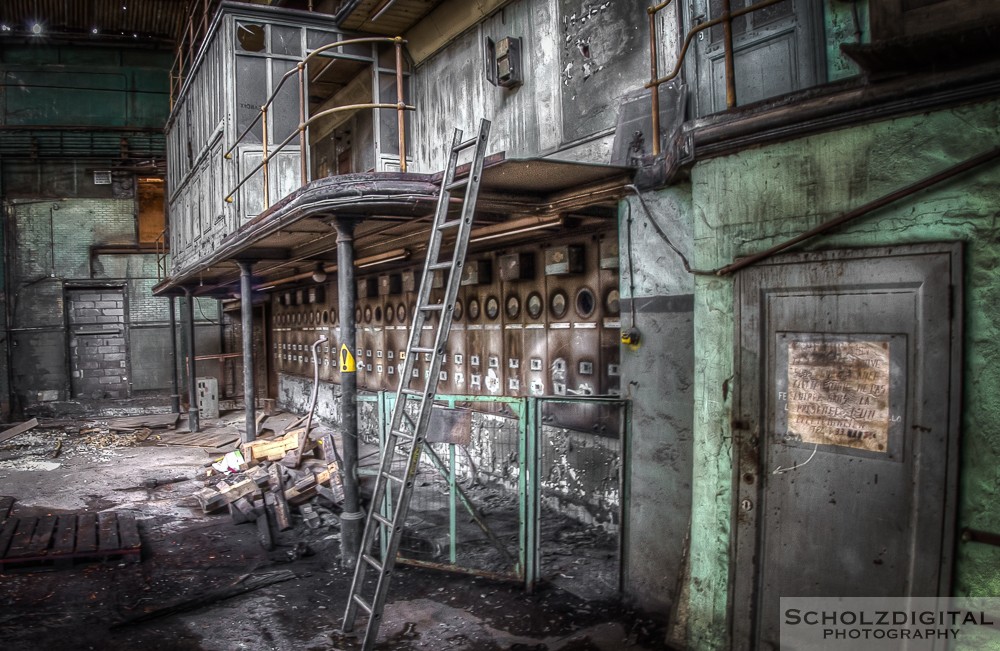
x=378 y=258
x=514 y=227
x=36 y=28
x=319 y=275
x=93 y=30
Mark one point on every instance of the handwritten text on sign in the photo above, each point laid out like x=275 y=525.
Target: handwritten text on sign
x=838 y=393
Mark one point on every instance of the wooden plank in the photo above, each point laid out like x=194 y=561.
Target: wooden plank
x=264 y=525
x=6 y=505
x=128 y=530
x=41 y=540
x=282 y=515
x=86 y=533
x=152 y=421
x=18 y=429
x=22 y=537
x=6 y=535
x=65 y=536
x=108 y=539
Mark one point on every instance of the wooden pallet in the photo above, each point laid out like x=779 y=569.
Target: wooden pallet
x=69 y=538
x=209 y=439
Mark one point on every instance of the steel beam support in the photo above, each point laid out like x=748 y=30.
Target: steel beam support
x=249 y=388
x=175 y=397
x=193 y=421
x=352 y=518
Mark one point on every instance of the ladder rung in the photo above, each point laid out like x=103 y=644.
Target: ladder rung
x=379 y=518
x=433 y=307
x=373 y=562
x=421 y=349
x=452 y=223
x=465 y=145
x=457 y=184
x=412 y=392
x=392 y=477
x=440 y=265
x=361 y=602
x=401 y=434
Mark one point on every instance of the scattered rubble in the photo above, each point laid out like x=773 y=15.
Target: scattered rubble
x=265 y=479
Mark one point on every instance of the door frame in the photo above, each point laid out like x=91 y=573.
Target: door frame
x=748 y=417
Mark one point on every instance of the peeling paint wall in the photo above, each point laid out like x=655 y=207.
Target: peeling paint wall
x=747 y=202
x=579 y=58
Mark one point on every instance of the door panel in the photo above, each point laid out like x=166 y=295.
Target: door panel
x=98 y=343
x=776 y=50
x=848 y=411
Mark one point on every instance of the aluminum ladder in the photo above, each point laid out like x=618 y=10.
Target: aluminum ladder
x=407 y=433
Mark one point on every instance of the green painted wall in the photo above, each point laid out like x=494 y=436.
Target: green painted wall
x=747 y=202
x=62 y=85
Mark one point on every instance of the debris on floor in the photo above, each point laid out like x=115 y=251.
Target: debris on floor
x=265 y=479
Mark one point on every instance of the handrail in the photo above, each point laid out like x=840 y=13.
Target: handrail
x=161 y=254
x=302 y=126
x=726 y=20
x=304 y=121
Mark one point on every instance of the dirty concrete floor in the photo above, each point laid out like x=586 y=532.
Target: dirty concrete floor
x=187 y=555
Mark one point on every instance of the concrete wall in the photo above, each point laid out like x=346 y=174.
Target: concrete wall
x=749 y=201
x=658 y=376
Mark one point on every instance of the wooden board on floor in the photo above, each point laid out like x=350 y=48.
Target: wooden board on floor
x=207 y=439
x=8 y=434
x=67 y=538
x=6 y=504
x=151 y=421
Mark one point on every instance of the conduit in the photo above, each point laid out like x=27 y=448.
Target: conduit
x=860 y=211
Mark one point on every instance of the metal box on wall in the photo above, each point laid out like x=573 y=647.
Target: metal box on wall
x=477 y=272
x=564 y=260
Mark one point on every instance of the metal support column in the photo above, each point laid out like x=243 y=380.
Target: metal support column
x=175 y=397
x=352 y=518
x=193 y=423
x=249 y=390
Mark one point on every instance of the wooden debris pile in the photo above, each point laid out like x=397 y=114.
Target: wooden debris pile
x=276 y=474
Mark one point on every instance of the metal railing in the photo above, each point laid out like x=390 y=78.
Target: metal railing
x=199 y=17
x=503 y=457
x=301 y=71
x=162 y=249
x=726 y=20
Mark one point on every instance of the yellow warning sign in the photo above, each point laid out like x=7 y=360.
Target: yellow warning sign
x=347 y=364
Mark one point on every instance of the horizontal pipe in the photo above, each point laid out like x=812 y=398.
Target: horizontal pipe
x=985 y=537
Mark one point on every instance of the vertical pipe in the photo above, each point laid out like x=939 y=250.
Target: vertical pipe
x=727 y=26
x=175 y=397
x=249 y=390
x=400 y=104
x=303 y=169
x=263 y=119
x=653 y=76
x=351 y=520
x=193 y=423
